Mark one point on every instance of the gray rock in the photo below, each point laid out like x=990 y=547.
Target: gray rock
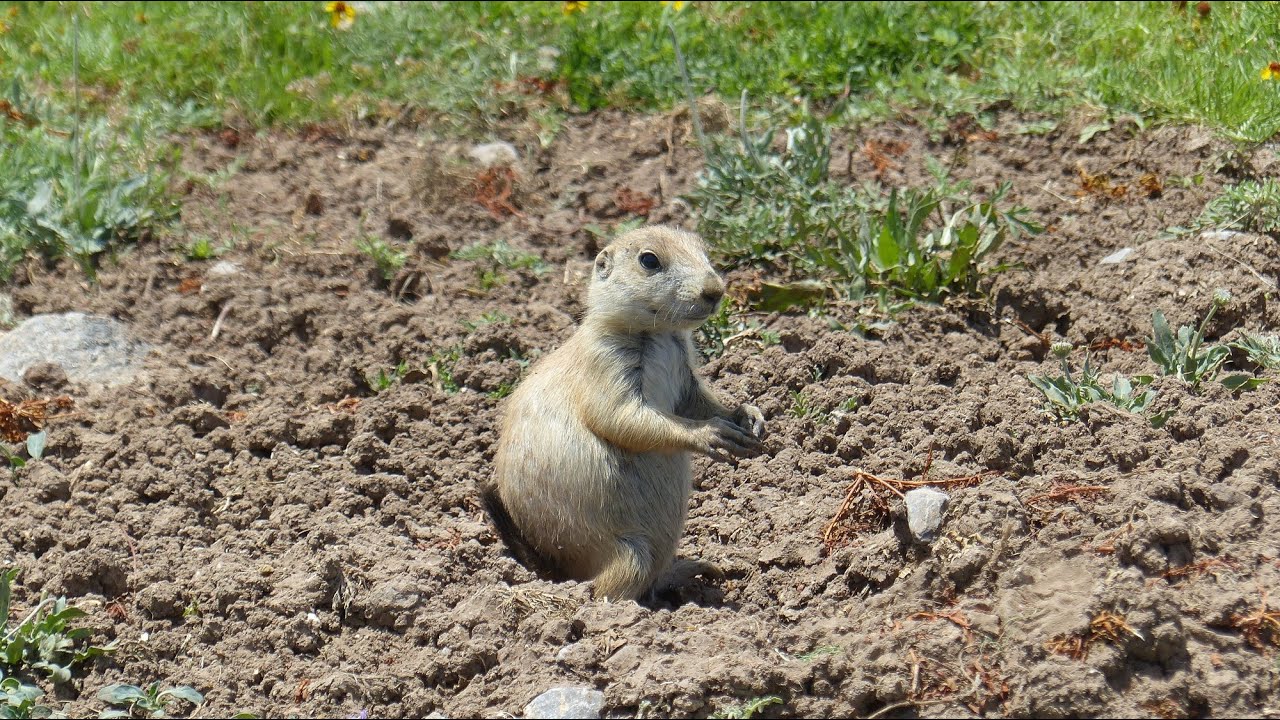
x=495 y=153
x=925 y=507
x=390 y=604
x=1220 y=235
x=566 y=702
x=223 y=268
x=1117 y=257
x=90 y=349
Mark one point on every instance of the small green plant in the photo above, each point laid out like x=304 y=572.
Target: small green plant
x=441 y=365
x=129 y=701
x=19 y=700
x=43 y=640
x=726 y=326
x=1262 y=350
x=1185 y=356
x=495 y=257
x=387 y=259
x=384 y=379
x=74 y=194
x=1067 y=396
x=849 y=405
x=1249 y=206
x=490 y=317
x=802 y=407
x=202 y=248
x=748 y=709
x=501 y=254
x=15 y=461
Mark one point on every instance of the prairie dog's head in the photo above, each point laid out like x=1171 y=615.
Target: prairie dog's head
x=654 y=278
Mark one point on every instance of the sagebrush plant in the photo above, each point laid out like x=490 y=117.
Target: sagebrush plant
x=782 y=209
x=128 y=701
x=45 y=639
x=1068 y=395
x=1248 y=206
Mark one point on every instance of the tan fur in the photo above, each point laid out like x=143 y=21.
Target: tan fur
x=593 y=464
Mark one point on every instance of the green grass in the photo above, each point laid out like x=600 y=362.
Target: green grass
x=284 y=63
x=143 y=70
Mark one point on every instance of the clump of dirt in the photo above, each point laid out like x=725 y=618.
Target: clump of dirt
x=283 y=513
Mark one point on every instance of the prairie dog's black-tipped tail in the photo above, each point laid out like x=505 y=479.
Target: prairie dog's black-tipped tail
x=510 y=534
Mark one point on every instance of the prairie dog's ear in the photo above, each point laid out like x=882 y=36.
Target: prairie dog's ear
x=604 y=264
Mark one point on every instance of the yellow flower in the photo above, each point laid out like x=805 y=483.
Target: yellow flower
x=1271 y=71
x=4 y=27
x=573 y=7
x=676 y=5
x=341 y=14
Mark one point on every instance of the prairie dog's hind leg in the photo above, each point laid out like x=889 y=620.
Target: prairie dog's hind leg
x=629 y=573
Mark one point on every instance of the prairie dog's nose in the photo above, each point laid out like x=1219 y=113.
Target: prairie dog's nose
x=712 y=288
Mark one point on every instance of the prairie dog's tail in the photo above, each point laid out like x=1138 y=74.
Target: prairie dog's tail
x=510 y=534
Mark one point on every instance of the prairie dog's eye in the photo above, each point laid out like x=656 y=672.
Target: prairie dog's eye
x=649 y=261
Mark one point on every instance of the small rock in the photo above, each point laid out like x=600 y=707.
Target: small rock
x=314 y=204
x=925 y=507
x=495 y=153
x=91 y=349
x=223 y=268
x=1219 y=235
x=390 y=604
x=566 y=702
x=1117 y=257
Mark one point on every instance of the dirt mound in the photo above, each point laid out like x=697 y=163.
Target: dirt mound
x=263 y=520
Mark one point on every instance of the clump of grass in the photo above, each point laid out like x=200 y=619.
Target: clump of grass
x=783 y=210
x=1068 y=395
x=387 y=259
x=131 y=701
x=1248 y=206
x=44 y=639
x=383 y=380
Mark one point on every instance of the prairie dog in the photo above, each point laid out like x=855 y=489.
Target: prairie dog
x=592 y=473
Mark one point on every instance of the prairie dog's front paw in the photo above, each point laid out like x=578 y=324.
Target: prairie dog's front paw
x=723 y=437
x=749 y=418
